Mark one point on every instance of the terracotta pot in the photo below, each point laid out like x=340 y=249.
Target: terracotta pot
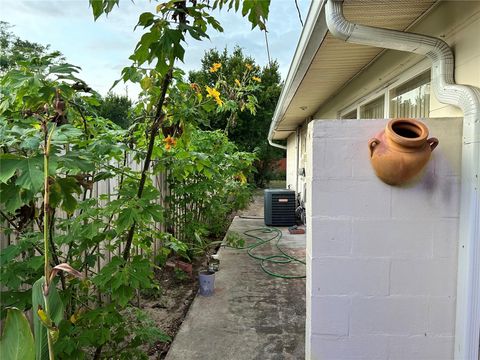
x=400 y=152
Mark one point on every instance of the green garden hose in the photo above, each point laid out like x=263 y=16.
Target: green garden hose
x=282 y=258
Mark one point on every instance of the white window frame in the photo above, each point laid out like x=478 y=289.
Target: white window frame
x=384 y=90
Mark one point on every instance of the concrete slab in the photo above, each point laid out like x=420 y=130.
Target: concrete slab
x=252 y=315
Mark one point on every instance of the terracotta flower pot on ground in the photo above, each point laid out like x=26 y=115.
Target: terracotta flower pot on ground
x=401 y=150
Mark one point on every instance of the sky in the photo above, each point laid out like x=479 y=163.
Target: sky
x=101 y=48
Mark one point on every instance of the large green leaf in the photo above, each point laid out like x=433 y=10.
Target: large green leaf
x=30 y=171
x=8 y=165
x=17 y=339
x=62 y=190
x=10 y=195
x=126 y=218
x=31 y=177
x=55 y=313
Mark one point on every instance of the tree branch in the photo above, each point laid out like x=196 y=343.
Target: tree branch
x=159 y=117
x=10 y=221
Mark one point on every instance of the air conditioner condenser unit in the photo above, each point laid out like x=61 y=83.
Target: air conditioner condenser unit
x=279 y=207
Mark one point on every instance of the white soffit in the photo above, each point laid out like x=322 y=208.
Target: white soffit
x=337 y=62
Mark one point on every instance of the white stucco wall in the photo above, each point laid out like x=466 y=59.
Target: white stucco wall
x=381 y=260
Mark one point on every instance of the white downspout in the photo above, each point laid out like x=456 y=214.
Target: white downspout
x=467 y=331
x=270 y=141
x=297 y=160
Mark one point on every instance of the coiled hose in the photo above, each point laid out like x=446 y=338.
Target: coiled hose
x=282 y=258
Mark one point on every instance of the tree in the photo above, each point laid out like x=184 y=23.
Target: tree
x=250 y=130
x=15 y=50
x=116 y=108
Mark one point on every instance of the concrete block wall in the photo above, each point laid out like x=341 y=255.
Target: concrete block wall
x=381 y=260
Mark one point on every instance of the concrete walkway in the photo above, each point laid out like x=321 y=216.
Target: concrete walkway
x=252 y=315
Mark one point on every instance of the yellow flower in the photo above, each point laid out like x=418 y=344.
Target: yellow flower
x=249 y=66
x=241 y=177
x=237 y=82
x=256 y=78
x=169 y=142
x=214 y=93
x=215 y=67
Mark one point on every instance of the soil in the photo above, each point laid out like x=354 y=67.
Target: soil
x=168 y=308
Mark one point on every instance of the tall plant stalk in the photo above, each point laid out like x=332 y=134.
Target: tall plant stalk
x=159 y=118
x=46 y=237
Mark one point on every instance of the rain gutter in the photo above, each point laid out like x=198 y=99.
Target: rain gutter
x=467 y=98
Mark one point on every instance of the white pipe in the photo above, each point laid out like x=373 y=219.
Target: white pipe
x=297 y=160
x=270 y=141
x=467 y=98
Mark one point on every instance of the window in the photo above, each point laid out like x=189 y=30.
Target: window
x=411 y=99
x=350 y=115
x=374 y=109
x=408 y=95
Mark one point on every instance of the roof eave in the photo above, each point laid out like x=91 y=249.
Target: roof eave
x=310 y=40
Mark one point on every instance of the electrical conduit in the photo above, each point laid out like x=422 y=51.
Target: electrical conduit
x=468 y=99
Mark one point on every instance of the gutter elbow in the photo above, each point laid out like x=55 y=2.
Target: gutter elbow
x=336 y=23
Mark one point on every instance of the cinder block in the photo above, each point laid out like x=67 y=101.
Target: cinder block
x=432 y=198
x=361 y=166
x=398 y=315
x=372 y=347
x=338 y=159
x=445 y=238
x=397 y=238
x=316 y=162
x=447 y=157
x=347 y=129
x=349 y=276
x=329 y=236
x=435 y=277
x=329 y=315
x=347 y=198
x=441 y=316
x=421 y=347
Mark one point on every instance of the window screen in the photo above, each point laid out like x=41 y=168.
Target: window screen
x=411 y=99
x=374 y=109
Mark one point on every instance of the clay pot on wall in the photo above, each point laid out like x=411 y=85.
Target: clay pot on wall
x=401 y=151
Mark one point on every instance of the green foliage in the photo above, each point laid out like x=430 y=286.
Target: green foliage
x=60 y=142
x=116 y=108
x=83 y=147
x=207 y=181
x=121 y=334
x=15 y=50
x=119 y=278
x=16 y=342
x=250 y=130
x=234 y=240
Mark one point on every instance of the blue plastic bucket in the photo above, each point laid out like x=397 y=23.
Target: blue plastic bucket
x=207 y=282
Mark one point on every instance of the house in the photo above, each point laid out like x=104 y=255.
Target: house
x=393 y=272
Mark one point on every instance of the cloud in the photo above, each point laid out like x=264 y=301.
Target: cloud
x=102 y=47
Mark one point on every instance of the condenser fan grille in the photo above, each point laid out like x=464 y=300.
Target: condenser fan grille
x=279 y=207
